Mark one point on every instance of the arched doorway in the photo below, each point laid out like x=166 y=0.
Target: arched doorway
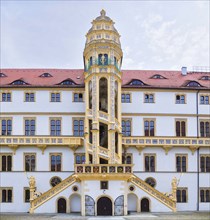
x=104 y=206
x=132 y=203
x=145 y=205
x=61 y=205
x=75 y=203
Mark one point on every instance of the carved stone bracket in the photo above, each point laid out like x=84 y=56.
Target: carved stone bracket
x=42 y=147
x=13 y=148
x=139 y=148
x=167 y=148
x=193 y=149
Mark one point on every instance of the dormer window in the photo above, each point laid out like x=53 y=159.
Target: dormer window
x=193 y=84
x=19 y=82
x=67 y=82
x=136 y=82
x=205 y=78
x=157 y=76
x=45 y=75
x=3 y=75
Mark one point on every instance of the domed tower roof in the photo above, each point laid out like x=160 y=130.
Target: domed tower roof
x=102 y=30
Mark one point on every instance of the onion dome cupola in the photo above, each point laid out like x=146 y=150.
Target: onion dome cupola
x=102 y=44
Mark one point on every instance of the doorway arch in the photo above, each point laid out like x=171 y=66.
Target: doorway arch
x=75 y=203
x=104 y=206
x=61 y=205
x=132 y=203
x=145 y=205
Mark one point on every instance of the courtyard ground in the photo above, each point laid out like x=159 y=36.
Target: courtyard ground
x=134 y=216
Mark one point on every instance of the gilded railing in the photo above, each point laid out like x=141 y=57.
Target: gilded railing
x=166 y=141
x=40 y=140
x=52 y=192
x=103 y=168
x=153 y=192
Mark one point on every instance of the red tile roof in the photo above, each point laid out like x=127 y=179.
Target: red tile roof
x=173 y=79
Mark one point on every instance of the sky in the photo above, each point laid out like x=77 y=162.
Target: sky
x=155 y=35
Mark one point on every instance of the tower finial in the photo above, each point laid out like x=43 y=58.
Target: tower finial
x=103 y=12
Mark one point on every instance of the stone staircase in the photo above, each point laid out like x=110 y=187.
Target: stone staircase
x=52 y=192
x=171 y=203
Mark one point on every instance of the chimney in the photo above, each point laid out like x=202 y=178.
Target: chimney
x=184 y=70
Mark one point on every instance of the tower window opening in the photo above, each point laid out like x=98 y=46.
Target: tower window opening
x=103 y=135
x=103 y=95
x=103 y=59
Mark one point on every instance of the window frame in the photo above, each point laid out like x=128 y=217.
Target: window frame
x=73 y=126
x=79 y=99
x=6 y=92
x=1 y=193
x=56 y=165
x=205 y=129
x=56 y=131
x=205 y=197
x=181 y=101
x=181 y=167
x=81 y=155
x=125 y=94
x=24 y=194
x=182 y=189
x=30 y=94
x=149 y=130
x=204 y=99
x=149 y=100
x=30 y=166
x=55 y=98
x=126 y=120
x=180 y=127
x=30 y=126
x=206 y=169
x=1 y=130
x=106 y=183
x=155 y=162
x=6 y=154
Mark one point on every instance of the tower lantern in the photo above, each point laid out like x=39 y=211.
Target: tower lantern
x=102 y=64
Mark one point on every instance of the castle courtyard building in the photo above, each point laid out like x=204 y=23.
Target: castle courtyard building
x=101 y=140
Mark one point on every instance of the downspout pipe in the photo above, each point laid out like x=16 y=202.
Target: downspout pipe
x=198 y=153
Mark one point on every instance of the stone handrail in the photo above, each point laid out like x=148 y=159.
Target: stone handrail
x=153 y=192
x=165 y=141
x=52 y=192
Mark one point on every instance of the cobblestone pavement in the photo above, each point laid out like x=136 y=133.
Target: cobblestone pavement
x=134 y=216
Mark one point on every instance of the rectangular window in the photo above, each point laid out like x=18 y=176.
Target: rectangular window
x=180 y=128
x=149 y=163
x=30 y=162
x=127 y=158
x=204 y=129
x=149 y=127
x=55 y=127
x=104 y=185
x=6 y=195
x=55 y=97
x=26 y=194
x=205 y=163
x=6 y=162
x=204 y=194
x=55 y=162
x=181 y=195
x=181 y=163
x=78 y=97
x=204 y=99
x=80 y=158
x=149 y=98
x=29 y=97
x=126 y=127
x=78 y=128
x=126 y=98
x=6 y=126
x=6 y=97
x=30 y=127
x=180 y=99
